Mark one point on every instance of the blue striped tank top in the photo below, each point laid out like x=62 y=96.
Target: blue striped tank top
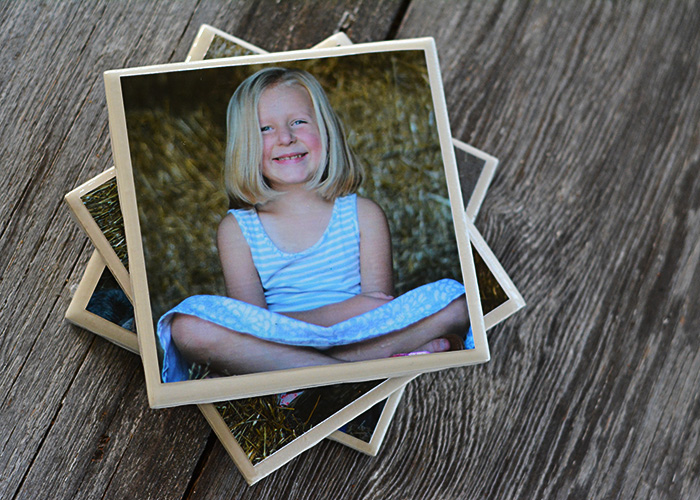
x=325 y=273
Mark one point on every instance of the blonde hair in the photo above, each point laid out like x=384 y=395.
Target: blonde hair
x=339 y=175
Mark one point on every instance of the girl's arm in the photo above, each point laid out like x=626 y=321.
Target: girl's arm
x=241 y=277
x=375 y=271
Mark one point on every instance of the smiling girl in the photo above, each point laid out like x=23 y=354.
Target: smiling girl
x=307 y=263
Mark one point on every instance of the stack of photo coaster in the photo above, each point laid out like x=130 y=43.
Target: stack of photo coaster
x=153 y=219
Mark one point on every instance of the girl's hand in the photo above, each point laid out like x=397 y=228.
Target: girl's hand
x=340 y=311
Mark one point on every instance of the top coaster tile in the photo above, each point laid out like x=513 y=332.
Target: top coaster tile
x=145 y=112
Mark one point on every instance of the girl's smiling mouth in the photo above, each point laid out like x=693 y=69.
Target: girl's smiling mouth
x=290 y=157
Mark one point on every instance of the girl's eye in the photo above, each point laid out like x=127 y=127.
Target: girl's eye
x=298 y=122
x=265 y=128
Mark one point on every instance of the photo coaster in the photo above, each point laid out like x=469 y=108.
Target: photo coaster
x=98 y=197
x=364 y=433
x=481 y=167
x=137 y=99
x=476 y=170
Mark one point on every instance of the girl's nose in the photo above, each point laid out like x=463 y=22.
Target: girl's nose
x=286 y=136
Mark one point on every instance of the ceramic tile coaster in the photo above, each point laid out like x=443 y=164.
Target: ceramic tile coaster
x=82 y=199
x=498 y=293
x=361 y=433
x=415 y=200
x=477 y=160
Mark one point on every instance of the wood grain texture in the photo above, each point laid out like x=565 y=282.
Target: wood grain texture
x=592 y=108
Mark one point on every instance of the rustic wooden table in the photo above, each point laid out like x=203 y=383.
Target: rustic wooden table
x=592 y=392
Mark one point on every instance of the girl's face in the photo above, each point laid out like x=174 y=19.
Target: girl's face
x=291 y=140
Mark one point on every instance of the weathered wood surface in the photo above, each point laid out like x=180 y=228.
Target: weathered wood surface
x=593 y=109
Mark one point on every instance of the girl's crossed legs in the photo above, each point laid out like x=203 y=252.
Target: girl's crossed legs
x=229 y=352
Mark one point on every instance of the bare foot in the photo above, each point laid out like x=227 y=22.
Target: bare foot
x=448 y=342
x=436 y=345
